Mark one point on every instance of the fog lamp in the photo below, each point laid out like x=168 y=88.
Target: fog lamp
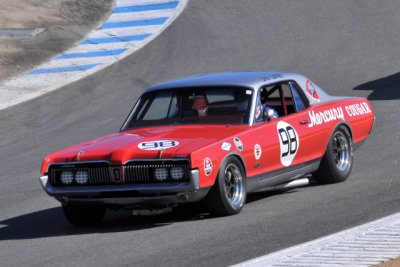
x=67 y=177
x=161 y=174
x=177 y=173
x=82 y=177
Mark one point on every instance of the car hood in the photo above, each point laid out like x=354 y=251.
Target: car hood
x=144 y=143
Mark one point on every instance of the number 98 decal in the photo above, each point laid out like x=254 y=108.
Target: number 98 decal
x=158 y=145
x=289 y=142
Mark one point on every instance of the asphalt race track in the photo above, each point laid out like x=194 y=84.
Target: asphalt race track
x=346 y=47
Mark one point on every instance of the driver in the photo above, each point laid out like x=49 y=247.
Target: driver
x=270 y=113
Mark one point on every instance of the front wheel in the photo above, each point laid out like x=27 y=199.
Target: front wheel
x=84 y=215
x=228 y=194
x=337 y=162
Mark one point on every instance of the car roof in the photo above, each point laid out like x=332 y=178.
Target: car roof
x=253 y=79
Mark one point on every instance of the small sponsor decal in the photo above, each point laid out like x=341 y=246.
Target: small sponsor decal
x=238 y=143
x=289 y=142
x=208 y=166
x=249 y=92
x=311 y=91
x=358 y=109
x=257 y=151
x=271 y=76
x=325 y=116
x=226 y=146
x=158 y=145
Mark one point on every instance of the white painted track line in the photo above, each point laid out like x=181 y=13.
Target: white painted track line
x=125 y=31
x=141 y=15
x=99 y=47
x=364 y=245
x=138 y=2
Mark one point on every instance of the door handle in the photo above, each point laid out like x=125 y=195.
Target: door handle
x=304 y=122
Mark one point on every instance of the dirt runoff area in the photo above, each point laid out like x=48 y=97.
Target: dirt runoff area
x=34 y=31
x=392 y=263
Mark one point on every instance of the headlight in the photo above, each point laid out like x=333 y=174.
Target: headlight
x=81 y=177
x=177 y=173
x=161 y=174
x=67 y=177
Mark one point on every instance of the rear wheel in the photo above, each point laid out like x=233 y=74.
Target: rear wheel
x=228 y=194
x=84 y=215
x=337 y=162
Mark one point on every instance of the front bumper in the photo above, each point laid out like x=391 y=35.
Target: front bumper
x=129 y=194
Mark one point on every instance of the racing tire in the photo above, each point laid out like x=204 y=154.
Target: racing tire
x=84 y=215
x=337 y=162
x=229 y=192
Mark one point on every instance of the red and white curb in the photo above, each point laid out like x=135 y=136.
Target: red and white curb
x=132 y=24
x=364 y=245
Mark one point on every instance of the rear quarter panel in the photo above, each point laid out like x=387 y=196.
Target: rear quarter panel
x=357 y=113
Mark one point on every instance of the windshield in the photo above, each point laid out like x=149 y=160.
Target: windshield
x=192 y=106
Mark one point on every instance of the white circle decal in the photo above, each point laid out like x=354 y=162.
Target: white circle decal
x=158 y=145
x=289 y=142
x=257 y=151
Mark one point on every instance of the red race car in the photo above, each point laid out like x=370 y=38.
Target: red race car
x=212 y=138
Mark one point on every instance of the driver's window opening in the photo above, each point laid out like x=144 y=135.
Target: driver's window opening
x=278 y=100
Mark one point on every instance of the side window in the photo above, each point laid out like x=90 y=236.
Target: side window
x=283 y=98
x=286 y=91
x=278 y=97
x=287 y=95
x=298 y=99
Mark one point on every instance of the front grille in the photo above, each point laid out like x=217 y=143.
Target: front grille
x=134 y=172
x=98 y=174
x=142 y=172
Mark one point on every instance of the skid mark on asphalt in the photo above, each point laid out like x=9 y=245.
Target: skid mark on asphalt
x=132 y=24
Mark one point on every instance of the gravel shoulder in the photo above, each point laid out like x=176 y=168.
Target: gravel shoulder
x=393 y=263
x=60 y=25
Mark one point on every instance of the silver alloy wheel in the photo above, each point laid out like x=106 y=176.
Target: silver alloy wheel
x=234 y=187
x=341 y=151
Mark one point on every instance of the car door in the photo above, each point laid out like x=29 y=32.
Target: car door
x=286 y=140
